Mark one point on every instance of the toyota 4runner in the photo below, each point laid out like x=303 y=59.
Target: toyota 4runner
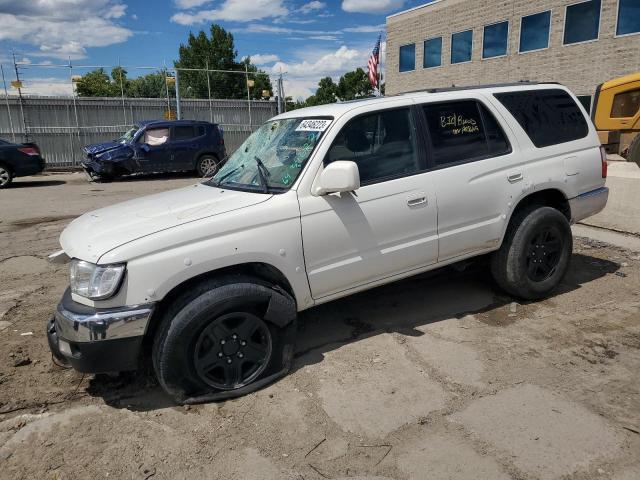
x=319 y=203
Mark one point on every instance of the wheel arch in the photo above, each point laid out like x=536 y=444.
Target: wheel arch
x=550 y=197
x=264 y=272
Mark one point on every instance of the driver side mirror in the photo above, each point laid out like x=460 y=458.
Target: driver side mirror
x=339 y=176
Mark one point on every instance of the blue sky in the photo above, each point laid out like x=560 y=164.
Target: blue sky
x=307 y=39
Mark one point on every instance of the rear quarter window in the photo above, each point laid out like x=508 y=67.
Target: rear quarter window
x=549 y=117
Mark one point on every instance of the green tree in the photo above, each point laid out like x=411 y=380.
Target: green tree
x=151 y=85
x=354 y=85
x=217 y=52
x=95 y=84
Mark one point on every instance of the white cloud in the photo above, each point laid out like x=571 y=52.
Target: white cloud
x=312 y=6
x=371 y=6
x=263 y=59
x=47 y=86
x=302 y=77
x=234 y=10
x=365 y=28
x=185 y=4
x=63 y=28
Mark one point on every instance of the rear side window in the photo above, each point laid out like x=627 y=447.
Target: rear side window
x=549 y=117
x=183 y=132
x=463 y=131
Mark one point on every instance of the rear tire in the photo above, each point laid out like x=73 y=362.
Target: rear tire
x=207 y=166
x=634 y=150
x=6 y=176
x=535 y=253
x=214 y=339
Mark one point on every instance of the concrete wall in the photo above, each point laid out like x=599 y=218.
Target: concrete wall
x=581 y=66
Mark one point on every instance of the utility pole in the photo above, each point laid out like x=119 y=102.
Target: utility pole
x=6 y=97
x=178 y=109
x=246 y=74
x=21 y=100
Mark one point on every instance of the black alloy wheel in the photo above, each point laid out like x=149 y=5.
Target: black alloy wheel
x=233 y=350
x=543 y=254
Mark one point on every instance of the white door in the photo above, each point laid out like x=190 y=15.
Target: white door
x=386 y=227
x=476 y=174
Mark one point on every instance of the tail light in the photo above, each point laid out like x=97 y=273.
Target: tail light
x=31 y=151
x=603 y=160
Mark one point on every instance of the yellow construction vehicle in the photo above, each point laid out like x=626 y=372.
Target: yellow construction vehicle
x=616 y=115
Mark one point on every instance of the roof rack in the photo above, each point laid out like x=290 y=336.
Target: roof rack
x=475 y=87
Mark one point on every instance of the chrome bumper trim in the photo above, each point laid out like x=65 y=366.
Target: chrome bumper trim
x=588 y=204
x=102 y=324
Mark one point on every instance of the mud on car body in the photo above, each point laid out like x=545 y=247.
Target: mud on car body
x=158 y=146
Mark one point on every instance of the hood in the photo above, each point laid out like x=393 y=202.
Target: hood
x=97 y=148
x=96 y=233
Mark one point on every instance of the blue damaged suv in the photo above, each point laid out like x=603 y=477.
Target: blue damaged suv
x=158 y=146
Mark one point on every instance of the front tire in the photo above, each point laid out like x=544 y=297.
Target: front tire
x=6 y=176
x=215 y=340
x=535 y=253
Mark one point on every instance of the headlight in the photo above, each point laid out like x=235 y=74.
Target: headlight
x=95 y=281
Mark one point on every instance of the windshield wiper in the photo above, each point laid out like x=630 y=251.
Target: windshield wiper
x=264 y=174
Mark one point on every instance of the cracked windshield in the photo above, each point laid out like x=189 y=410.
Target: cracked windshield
x=271 y=159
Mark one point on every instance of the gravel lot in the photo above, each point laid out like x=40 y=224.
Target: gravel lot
x=440 y=376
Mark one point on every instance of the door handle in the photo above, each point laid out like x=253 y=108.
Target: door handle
x=516 y=177
x=413 y=201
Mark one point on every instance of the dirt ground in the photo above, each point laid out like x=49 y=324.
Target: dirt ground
x=440 y=376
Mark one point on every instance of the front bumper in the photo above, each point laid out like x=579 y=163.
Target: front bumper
x=98 y=340
x=588 y=204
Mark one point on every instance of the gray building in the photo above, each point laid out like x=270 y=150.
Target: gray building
x=470 y=42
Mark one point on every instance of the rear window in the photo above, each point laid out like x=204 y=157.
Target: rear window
x=549 y=117
x=183 y=133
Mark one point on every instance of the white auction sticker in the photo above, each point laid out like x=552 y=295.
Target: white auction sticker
x=313 y=125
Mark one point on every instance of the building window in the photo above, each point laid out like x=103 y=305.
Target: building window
x=408 y=57
x=432 y=53
x=495 y=40
x=534 y=31
x=461 y=46
x=628 y=17
x=582 y=22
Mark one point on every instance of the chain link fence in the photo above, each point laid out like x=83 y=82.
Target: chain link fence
x=61 y=125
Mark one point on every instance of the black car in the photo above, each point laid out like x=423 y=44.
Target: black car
x=158 y=146
x=18 y=160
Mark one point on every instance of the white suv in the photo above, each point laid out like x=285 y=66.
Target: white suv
x=317 y=204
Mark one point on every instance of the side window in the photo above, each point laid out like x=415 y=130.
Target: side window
x=549 y=117
x=156 y=136
x=200 y=130
x=183 y=133
x=462 y=131
x=626 y=104
x=382 y=144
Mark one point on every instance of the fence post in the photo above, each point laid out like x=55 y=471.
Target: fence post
x=178 y=109
x=209 y=89
x=124 y=109
x=246 y=74
x=6 y=97
x=24 y=120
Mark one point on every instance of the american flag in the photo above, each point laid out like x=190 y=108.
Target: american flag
x=374 y=60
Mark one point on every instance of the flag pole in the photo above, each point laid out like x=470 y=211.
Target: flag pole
x=382 y=64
